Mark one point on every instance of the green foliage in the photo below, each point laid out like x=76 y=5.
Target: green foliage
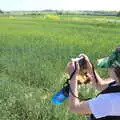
x=118 y=14
x=33 y=54
x=1 y=12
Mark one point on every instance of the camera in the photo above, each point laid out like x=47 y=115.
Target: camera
x=81 y=61
x=83 y=69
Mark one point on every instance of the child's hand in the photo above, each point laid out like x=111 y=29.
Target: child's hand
x=71 y=67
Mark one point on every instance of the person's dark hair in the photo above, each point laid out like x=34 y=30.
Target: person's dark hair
x=117 y=72
x=117 y=68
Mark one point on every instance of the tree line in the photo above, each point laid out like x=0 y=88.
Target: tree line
x=61 y=12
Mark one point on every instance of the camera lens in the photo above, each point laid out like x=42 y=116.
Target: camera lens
x=82 y=62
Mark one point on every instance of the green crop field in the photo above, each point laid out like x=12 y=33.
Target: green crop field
x=34 y=51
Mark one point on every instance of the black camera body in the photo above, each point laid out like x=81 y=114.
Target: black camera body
x=81 y=61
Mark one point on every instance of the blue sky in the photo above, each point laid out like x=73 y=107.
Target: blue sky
x=60 y=4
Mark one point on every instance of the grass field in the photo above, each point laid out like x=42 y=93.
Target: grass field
x=33 y=54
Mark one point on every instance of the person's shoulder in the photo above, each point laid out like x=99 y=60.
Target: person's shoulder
x=101 y=97
x=114 y=97
x=108 y=96
x=104 y=100
x=100 y=105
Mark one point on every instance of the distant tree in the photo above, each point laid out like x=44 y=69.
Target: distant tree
x=1 y=12
x=118 y=14
x=59 y=12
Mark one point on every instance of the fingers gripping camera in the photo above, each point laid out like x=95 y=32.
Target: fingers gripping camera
x=82 y=78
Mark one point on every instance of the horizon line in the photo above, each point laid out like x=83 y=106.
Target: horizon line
x=59 y=10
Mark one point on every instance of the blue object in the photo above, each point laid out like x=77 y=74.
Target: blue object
x=61 y=95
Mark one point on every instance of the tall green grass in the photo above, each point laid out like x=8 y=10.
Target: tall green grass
x=33 y=54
